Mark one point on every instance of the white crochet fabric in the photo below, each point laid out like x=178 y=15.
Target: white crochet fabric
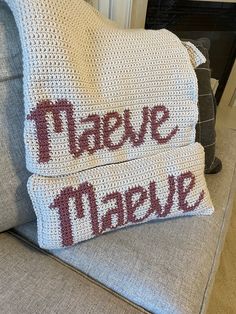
x=103 y=74
x=96 y=95
x=81 y=206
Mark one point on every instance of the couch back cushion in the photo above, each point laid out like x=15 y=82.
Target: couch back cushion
x=15 y=205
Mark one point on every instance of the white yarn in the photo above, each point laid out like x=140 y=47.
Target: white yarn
x=118 y=178
x=123 y=100
x=71 y=52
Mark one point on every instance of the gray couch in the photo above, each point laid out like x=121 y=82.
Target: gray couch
x=159 y=267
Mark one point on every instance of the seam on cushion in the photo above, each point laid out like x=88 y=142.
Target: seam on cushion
x=204 y=121
x=210 y=144
x=89 y=278
x=220 y=243
x=214 y=118
x=214 y=107
x=204 y=69
x=213 y=160
x=13 y=77
x=200 y=95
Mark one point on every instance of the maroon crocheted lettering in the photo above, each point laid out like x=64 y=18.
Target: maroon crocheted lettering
x=62 y=203
x=96 y=137
x=117 y=211
x=162 y=211
x=90 y=140
x=186 y=182
x=39 y=115
x=108 y=129
x=157 y=122
x=133 y=205
x=136 y=138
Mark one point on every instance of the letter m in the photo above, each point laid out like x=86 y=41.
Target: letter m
x=39 y=115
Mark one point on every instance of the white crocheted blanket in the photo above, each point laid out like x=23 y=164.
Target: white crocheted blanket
x=123 y=100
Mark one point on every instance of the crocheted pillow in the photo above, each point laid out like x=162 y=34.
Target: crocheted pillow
x=97 y=95
x=87 y=204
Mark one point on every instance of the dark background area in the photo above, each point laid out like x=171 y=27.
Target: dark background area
x=195 y=19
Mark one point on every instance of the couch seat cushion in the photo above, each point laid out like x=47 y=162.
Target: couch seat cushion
x=165 y=267
x=32 y=282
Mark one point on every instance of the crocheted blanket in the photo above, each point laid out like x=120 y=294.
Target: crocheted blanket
x=123 y=100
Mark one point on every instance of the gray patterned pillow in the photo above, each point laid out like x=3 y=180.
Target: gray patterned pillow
x=205 y=128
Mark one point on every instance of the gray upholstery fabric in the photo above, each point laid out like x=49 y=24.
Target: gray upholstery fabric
x=10 y=46
x=31 y=282
x=15 y=206
x=164 y=267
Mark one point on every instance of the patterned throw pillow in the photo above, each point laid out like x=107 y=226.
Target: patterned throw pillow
x=110 y=122
x=205 y=128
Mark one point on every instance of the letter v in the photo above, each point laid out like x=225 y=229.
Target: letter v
x=155 y=202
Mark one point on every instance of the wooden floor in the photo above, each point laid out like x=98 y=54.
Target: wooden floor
x=226 y=116
x=223 y=297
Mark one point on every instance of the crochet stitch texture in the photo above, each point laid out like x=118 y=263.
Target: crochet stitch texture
x=97 y=95
x=96 y=201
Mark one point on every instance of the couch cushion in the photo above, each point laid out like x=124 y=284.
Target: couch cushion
x=15 y=205
x=164 y=267
x=32 y=282
x=10 y=46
